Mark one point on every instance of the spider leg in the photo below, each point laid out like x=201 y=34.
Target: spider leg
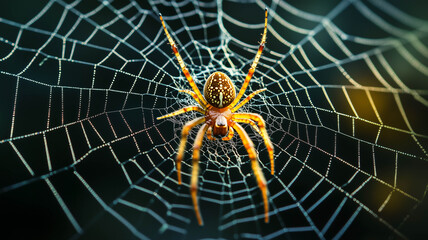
x=194 y=96
x=234 y=109
x=261 y=181
x=248 y=121
x=261 y=123
x=183 y=110
x=253 y=65
x=210 y=134
x=181 y=63
x=229 y=135
x=184 y=133
x=195 y=170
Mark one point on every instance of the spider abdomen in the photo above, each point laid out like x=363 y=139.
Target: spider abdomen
x=219 y=90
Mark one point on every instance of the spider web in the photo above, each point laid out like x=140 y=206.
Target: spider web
x=83 y=155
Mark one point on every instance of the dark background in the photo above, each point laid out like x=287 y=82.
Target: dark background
x=30 y=210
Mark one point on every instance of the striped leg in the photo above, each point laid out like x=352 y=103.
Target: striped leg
x=181 y=63
x=253 y=66
x=261 y=181
x=182 y=147
x=194 y=96
x=183 y=110
x=248 y=121
x=195 y=171
x=262 y=126
x=234 y=109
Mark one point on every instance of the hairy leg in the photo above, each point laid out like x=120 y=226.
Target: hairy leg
x=182 y=147
x=253 y=66
x=195 y=171
x=261 y=181
x=194 y=96
x=181 y=63
x=262 y=126
x=183 y=110
x=234 y=109
x=248 y=121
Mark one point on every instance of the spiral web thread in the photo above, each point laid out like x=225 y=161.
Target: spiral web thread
x=346 y=108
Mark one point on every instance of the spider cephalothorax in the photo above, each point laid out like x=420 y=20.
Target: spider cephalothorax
x=219 y=105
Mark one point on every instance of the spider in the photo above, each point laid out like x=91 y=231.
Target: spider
x=220 y=120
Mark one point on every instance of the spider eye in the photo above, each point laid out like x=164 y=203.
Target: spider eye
x=219 y=90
